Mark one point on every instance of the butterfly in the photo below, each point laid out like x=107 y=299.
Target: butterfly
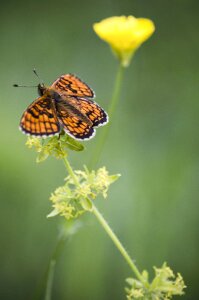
x=66 y=105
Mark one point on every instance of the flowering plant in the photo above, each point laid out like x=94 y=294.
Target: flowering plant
x=124 y=35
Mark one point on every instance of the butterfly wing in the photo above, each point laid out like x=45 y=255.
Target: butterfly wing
x=39 y=119
x=91 y=109
x=74 y=122
x=70 y=85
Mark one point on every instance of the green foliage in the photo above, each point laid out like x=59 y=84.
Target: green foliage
x=74 y=198
x=56 y=146
x=164 y=286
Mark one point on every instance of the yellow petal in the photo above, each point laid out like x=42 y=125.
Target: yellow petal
x=124 y=34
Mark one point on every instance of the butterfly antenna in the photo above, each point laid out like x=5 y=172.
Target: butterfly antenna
x=29 y=86
x=35 y=72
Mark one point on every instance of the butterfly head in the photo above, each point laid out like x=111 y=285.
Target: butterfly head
x=41 y=89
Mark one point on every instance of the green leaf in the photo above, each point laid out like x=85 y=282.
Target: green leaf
x=53 y=213
x=87 y=204
x=72 y=144
x=42 y=156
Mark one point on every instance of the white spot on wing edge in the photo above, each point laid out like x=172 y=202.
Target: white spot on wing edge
x=104 y=123
x=82 y=140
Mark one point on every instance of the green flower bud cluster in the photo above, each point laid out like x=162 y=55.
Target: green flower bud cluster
x=56 y=146
x=164 y=286
x=74 y=198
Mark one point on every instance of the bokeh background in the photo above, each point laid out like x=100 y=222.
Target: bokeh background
x=153 y=143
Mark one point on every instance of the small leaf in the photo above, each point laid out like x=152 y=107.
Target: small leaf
x=87 y=204
x=53 y=213
x=42 y=156
x=72 y=144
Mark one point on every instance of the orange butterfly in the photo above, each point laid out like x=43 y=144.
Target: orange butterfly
x=66 y=104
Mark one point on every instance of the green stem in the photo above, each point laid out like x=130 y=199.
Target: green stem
x=116 y=92
x=111 y=109
x=47 y=282
x=70 y=171
x=51 y=268
x=118 y=244
x=50 y=279
x=108 y=229
x=60 y=243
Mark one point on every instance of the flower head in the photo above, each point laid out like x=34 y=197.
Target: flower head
x=72 y=201
x=124 y=35
x=55 y=146
x=164 y=285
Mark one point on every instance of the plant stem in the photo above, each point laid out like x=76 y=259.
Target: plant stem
x=116 y=91
x=55 y=255
x=108 y=229
x=49 y=284
x=70 y=171
x=111 y=109
x=117 y=243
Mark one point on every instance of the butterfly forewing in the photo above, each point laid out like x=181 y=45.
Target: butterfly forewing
x=40 y=118
x=70 y=85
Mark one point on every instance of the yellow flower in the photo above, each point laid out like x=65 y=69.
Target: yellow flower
x=124 y=35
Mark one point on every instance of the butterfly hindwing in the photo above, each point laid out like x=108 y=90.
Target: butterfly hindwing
x=40 y=119
x=91 y=109
x=70 y=85
x=76 y=125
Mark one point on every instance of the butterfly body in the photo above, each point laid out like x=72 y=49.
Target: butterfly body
x=66 y=104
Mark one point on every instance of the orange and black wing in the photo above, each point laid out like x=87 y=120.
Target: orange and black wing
x=70 y=85
x=91 y=109
x=74 y=124
x=39 y=119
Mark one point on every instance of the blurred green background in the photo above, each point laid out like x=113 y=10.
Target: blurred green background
x=153 y=143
